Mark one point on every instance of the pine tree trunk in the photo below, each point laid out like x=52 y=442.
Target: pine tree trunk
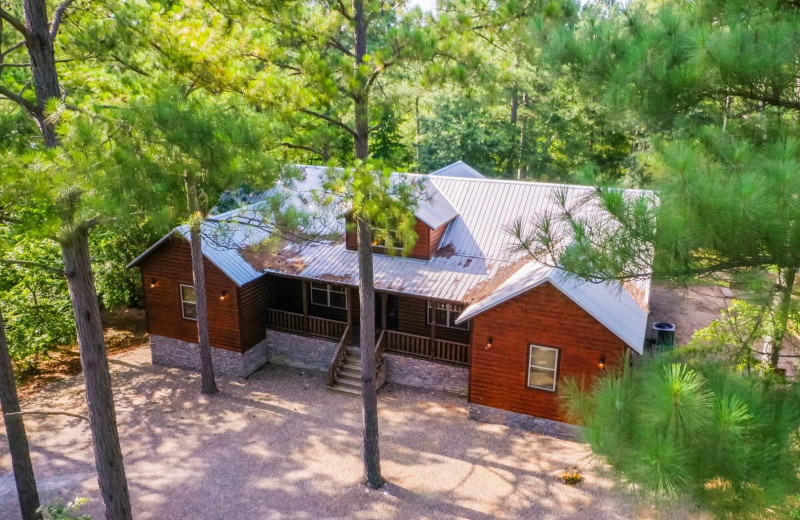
x=102 y=415
x=372 y=456
x=43 y=65
x=208 y=382
x=15 y=431
x=788 y=276
x=78 y=268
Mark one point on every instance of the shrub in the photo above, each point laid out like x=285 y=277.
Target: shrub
x=698 y=428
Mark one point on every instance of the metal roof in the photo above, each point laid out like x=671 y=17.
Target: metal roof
x=478 y=263
x=609 y=303
x=459 y=169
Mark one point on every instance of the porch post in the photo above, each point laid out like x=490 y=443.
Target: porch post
x=349 y=304
x=383 y=311
x=432 y=344
x=305 y=306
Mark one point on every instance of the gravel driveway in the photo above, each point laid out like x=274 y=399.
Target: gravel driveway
x=280 y=445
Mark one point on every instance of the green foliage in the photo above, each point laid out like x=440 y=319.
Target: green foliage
x=688 y=426
x=58 y=510
x=36 y=305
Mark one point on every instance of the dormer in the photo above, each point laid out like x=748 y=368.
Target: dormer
x=428 y=239
x=433 y=214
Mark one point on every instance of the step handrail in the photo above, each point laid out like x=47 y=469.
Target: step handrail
x=338 y=356
x=380 y=348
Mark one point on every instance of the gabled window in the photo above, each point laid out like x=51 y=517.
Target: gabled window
x=542 y=367
x=446 y=315
x=388 y=239
x=188 y=302
x=327 y=295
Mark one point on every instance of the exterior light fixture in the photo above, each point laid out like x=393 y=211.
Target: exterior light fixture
x=602 y=363
x=489 y=343
x=153 y=283
x=224 y=296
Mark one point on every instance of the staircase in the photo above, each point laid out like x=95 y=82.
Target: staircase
x=348 y=378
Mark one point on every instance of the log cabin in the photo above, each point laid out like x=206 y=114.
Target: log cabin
x=464 y=311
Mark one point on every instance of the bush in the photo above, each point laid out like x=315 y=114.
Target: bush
x=58 y=510
x=698 y=428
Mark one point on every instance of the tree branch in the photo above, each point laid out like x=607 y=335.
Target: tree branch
x=21 y=101
x=27 y=263
x=57 y=16
x=15 y=23
x=301 y=147
x=343 y=10
x=333 y=42
x=331 y=120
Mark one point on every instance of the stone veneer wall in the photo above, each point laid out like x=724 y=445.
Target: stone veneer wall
x=299 y=351
x=539 y=425
x=183 y=354
x=410 y=371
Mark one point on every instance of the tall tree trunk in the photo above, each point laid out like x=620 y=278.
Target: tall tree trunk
x=786 y=280
x=99 y=396
x=372 y=456
x=43 y=64
x=15 y=431
x=361 y=103
x=78 y=268
x=208 y=382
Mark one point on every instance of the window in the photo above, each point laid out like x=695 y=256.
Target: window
x=328 y=295
x=446 y=315
x=387 y=239
x=188 y=302
x=542 y=367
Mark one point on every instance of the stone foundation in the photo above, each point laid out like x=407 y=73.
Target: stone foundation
x=538 y=425
x=183 y=354
x=420 y=373
x=299 y=351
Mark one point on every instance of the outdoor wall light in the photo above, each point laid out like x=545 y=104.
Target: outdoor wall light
x=489 y=343
x=602 y=362
x=153 y=283
x=224 y=296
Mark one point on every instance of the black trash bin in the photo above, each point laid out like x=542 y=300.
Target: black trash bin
x=664 y=334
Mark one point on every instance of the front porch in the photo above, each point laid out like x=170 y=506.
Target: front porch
x=414 y=345
x=331 y=333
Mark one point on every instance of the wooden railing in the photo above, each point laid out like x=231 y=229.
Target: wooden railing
x=338 y=356
x=313 y=325
x=326 y=328
x=451 y=352
x=380 y=347
x=283 y=320
x=424 y=347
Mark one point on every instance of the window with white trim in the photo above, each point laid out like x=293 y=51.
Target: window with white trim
x=188 y=302
x=327 y=295
x=542 y=367
x=446 y=315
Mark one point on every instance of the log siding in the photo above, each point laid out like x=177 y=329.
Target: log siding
x=543 y=316
x=170 y=266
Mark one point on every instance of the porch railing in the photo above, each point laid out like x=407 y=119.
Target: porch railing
x=312 y=325
x=338 y=356
x=424 y=347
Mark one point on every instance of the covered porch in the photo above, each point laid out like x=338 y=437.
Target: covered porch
x=404 y=325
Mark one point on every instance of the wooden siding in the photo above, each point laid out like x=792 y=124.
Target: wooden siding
x=424 y=248
x=171 y=266
x=542 y=316
x=436 y=236
x=412 y=318
x=254 y=299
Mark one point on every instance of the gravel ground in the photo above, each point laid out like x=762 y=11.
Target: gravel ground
x=282 y=446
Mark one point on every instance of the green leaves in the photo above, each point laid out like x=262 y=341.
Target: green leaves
x=697 y=429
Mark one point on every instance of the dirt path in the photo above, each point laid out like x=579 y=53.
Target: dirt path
x=280 y=445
